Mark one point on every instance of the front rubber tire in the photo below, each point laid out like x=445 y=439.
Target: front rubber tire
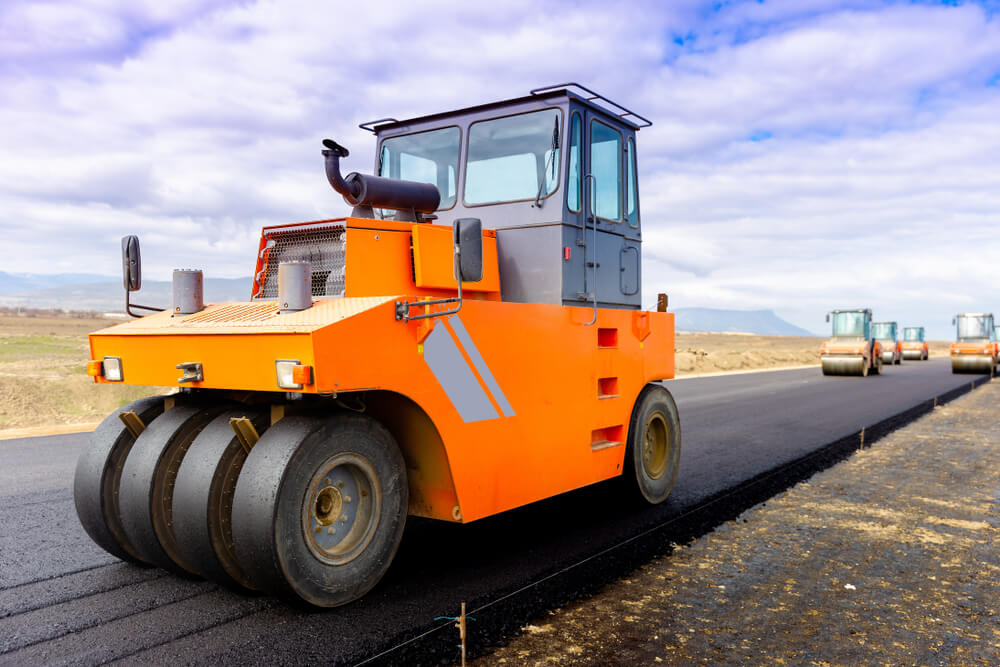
x=653 y=454
x=98 y=472
x=147 y=484
x=297 y=471
x=203 y=499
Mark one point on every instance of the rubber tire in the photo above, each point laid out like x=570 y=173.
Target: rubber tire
x=98 y=471
x=146 y=487
x=267 y=521
x=653 y=397
x=202 y=503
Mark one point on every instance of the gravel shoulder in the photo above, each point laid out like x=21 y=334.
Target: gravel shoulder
x=887 y=558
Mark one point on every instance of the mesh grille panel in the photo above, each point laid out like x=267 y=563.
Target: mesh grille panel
x=325 y=248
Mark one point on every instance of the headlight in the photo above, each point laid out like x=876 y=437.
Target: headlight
x=113 y=369
x=291 y=374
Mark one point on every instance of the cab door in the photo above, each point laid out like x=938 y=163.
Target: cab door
x=611 y=203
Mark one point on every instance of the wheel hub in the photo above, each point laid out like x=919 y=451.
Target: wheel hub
x=655 y=445
x=341 y=508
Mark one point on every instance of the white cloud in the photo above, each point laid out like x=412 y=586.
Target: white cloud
x=874 y=179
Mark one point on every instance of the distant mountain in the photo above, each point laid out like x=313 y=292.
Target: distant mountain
x=107 y=294
x=762 y=322
x=17 y=283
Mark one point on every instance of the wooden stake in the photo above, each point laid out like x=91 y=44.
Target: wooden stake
x=862 y=436
x=461 y=632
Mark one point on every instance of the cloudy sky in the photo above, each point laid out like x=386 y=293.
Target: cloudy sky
x=805 y=154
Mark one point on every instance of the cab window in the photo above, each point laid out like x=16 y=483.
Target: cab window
x=426 y=157
x=513 y=158
x=574 y=189
x=606 y=166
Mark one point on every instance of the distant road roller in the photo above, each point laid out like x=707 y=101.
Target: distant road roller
x=975 y=347
x=887 y=334
x=914 y=345
x=853 y=349
x=386 y=366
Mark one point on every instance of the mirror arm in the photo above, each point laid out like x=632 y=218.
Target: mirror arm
x=129 y=306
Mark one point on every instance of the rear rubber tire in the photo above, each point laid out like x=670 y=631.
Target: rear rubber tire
x=147 y=484
x=278 y=510
x=203 y=499
x=653 y=454
x=98 y=471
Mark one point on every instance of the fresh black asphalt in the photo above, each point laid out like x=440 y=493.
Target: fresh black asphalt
x=745 y=437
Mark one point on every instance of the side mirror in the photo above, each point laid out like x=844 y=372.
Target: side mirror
x=828 y=317
x=468 y=236
x=953 y=321
x=131 y=264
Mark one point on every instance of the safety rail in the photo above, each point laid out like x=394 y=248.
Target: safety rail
x=595 y=96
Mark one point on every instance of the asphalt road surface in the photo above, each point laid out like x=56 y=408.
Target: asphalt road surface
x=64 y=600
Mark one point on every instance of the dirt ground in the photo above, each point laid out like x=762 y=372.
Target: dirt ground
x=887 y=558
x=43 y=388
x=43 y=383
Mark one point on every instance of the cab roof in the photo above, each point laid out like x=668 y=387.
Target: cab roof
x=573 y=91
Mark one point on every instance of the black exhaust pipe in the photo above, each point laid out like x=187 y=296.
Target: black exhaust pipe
x=375 y=191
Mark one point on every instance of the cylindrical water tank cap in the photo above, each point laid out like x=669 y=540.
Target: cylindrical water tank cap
x=294 y=286
x=188 y=294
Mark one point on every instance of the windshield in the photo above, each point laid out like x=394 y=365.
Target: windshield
x=513 y=158
x=996 y=333
x=426 y=157
x=977 y=327
x=913 y=333
x=849 y=324
x=884 y=330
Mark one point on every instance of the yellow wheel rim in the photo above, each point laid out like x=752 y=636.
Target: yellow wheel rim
x=655 y=445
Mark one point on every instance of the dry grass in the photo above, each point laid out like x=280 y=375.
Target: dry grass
x=42 y=374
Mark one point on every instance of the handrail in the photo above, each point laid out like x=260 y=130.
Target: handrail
x=595 y=96
x=592 y=201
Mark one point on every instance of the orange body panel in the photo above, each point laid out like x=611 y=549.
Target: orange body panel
x=913 y=345
x=433 y=264
x=991 y=349
x=547 y=363
x=850 y=348
x=505 y=403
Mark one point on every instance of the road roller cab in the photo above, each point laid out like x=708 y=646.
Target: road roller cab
x=852 y=350
x=887 y=334
x=467 y=341
x=914 y=345
x=975 y=348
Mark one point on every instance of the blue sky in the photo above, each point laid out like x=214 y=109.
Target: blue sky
x=805 y=154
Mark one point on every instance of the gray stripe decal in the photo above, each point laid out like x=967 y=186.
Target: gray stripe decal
x=456 y=378
x=480 y=363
